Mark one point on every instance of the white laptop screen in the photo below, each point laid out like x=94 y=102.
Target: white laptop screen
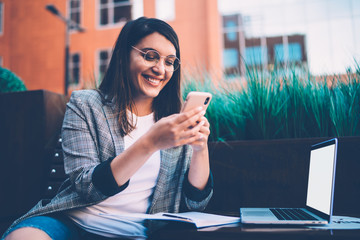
x=321 y=178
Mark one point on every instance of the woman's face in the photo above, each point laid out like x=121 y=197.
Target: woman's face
x=150 y=80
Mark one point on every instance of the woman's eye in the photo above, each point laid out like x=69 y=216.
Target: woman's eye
x=151 y=56
x=169 y=62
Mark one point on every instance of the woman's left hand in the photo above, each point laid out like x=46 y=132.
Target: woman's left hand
x=200 y=143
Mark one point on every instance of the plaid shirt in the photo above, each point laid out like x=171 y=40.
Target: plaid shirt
x=91 y=136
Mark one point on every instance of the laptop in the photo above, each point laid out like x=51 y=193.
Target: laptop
x=320 y=193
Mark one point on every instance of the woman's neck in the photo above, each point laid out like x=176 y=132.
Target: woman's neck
x=143 y=107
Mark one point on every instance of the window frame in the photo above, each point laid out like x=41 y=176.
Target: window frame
x=98 y=62
x=70 y=10
x=71 y=68
x=111 y=24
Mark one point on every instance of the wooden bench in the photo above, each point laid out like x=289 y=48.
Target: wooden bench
x=30 y=124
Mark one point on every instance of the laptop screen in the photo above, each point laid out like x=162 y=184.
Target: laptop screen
x=321 y=176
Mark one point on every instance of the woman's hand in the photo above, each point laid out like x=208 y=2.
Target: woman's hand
x=200 y=143
x=186 y=128
x=179 y=129
x=171 y=131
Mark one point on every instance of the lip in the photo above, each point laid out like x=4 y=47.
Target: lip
x=152 y=81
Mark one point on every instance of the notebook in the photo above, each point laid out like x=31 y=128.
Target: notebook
x=318 y=207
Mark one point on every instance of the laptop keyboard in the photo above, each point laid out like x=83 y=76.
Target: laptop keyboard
x=291 y=214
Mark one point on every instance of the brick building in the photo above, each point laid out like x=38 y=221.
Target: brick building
x=32 y=39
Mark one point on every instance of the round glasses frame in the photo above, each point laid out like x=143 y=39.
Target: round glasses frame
x=152 y=57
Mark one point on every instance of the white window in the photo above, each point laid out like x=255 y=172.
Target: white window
x=74 y=68
x=1 y=17
x=137 y=9
x=112 y=12
x=104 y=57
x=165 y=9
x=75 y=11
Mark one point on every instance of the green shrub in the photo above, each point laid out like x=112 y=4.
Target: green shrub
x=9 y=82
x=283 y=103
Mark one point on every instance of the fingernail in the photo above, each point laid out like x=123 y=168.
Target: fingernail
x=199 y=108
x=203 y=112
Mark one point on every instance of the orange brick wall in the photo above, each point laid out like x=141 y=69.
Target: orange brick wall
x=32 y=45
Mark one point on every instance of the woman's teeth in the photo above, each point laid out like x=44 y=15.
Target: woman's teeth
x=152 y=80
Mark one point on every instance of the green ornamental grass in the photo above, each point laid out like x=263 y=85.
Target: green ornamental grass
x=282 y=103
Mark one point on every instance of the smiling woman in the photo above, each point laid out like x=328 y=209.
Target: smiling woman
x=127 y=149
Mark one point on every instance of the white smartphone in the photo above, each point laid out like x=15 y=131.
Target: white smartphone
x=196 y=99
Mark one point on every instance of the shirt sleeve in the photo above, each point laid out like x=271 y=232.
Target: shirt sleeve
x=197 y=199
x=104 y=180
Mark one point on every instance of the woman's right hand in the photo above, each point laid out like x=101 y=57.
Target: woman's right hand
x=177 y=129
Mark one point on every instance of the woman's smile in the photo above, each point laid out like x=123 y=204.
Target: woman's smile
x=153 y=81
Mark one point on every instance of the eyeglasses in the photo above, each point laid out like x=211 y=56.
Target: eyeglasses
x=152 y=57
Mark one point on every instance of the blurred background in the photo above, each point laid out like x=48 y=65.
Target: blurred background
x=43 y=41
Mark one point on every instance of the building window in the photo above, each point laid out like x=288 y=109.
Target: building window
x=231 y=34
x=1 y=17
x=74 y=69
x=254 y=56
x=231 y=58
x=294 y=53
x=103 y=60
x=165 y=10
x=1 y=61
x=114 y=11
x=75 y=11
x=137 y=9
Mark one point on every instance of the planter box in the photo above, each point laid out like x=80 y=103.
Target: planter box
x=274 y=173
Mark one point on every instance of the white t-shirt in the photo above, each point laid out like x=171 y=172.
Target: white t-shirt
x=134 y=199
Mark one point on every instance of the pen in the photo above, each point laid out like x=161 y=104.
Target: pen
x=175 y=216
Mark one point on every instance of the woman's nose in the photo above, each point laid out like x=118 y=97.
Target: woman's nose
x=160 y=66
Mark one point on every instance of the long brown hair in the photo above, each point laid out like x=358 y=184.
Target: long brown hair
x=117 y=84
